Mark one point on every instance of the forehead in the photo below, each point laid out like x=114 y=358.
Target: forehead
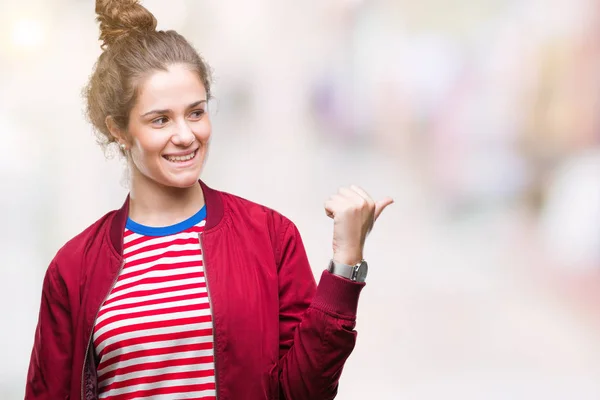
x=177 y=86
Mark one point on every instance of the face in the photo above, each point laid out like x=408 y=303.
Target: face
x=169 y=129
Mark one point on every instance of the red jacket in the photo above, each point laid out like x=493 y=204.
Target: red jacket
x=277 y=334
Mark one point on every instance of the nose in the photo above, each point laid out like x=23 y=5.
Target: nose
x=183 y=136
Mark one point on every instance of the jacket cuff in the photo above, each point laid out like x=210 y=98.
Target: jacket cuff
x=337 y=295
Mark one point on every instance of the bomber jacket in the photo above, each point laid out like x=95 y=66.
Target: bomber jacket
x=277 y=335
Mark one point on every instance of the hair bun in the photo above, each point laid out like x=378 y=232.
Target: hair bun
x=120 y=18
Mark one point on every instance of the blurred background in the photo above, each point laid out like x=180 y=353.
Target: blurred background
x=481 y=118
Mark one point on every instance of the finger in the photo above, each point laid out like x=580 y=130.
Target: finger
x=363 y=194
x=381 y=205
x=329 y=208
x=352 y=196
x=333 y=203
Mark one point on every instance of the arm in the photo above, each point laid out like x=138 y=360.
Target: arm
x=49 y=372
x=316 y=329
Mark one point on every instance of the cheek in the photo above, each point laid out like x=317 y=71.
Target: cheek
x=147 y=144
x=203 y=130
x=150 y=140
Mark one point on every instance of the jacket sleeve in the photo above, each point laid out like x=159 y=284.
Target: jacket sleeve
x=316 y=324
x=49 y=372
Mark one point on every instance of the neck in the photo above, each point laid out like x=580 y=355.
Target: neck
x=153 y=204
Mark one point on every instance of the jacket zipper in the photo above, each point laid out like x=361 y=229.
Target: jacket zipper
x=212 y=315
x=92 y=332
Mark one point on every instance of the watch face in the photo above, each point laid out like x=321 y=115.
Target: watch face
x=361 y=272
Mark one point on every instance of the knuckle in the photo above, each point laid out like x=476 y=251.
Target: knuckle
x=348 y=207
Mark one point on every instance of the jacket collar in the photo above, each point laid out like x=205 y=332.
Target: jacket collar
x=214 y=214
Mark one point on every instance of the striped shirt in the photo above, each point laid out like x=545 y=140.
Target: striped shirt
x=153 y=335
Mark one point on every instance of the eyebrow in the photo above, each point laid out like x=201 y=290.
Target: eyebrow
x=166 y=111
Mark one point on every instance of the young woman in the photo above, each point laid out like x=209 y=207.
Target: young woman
x=187 y=292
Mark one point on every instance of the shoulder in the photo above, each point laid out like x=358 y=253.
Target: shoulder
x=254 y=217
x=83 y=245
x=240 y=208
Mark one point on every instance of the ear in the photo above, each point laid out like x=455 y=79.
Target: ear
x=114 y=130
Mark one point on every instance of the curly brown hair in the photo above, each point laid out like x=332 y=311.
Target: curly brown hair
x=132 y=50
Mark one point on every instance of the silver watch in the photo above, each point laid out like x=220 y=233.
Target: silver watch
x=356 y=272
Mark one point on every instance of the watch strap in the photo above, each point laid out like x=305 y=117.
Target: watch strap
x=345 y=270
x=350 y=272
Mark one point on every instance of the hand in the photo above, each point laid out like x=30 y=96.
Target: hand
x=353 y=212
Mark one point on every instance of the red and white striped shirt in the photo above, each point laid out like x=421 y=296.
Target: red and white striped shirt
x=154 y=334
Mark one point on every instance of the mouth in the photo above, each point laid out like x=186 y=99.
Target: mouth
x=181 y=159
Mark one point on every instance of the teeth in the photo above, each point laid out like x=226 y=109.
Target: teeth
x=181 y=158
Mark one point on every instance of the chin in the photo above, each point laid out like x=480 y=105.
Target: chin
x=183 y=183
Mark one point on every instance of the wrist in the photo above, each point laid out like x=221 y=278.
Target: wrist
x=349 y=258
x=355 y=272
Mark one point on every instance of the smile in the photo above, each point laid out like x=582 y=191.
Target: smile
x=181 y=158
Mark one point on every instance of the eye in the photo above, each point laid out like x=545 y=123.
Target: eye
x=196 y=114
x=160 y=121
